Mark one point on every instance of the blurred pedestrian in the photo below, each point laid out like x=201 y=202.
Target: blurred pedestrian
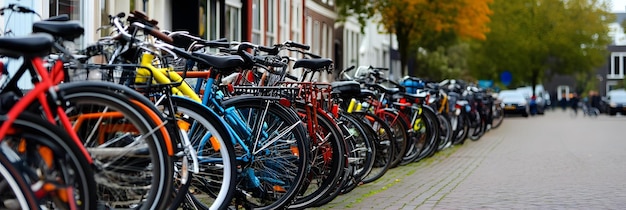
x=563 y=102
x=533 y=105
x=574 y=102
x=595 y=99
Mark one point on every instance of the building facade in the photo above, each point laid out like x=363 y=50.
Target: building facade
x=264 y=22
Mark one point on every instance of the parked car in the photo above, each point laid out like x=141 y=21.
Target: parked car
x=514 y=102
x=616 y=102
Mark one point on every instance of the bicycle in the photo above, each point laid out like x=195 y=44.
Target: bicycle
x=236 y=126
x=589 y=111
x=60 y=153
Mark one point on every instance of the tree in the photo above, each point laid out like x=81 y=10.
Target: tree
x=444 y=62
x=424 y=23
x=531 y=37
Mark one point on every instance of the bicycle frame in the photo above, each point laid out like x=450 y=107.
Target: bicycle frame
x=236 y=127
x=46 y=83
x=167 y=76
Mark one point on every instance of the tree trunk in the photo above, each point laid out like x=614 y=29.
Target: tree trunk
x=534 y=77
x=402 y=36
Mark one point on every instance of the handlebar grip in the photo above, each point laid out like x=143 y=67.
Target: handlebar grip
x=24 y=9
x=244 y=46
x=269 y=50
x=159 y=35
x=350 y=68
x=139 y=14
x=298 y=45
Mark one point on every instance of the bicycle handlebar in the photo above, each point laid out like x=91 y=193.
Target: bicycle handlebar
x=297 y=45
x=154 y=31
x=17 y=8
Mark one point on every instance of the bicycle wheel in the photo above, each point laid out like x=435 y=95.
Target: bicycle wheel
x=328 y=161
x=594 y=112
x=362 y=148
x=432 y=133
x=276 y=148
x=42 y=153
x=445 y=132
x=400 y=130
x=418 y=138
x=15 y=192
x=477 y=131
x=384 y=145
x=129 y=144
x=460 y=134
x=215 y=184
x=498 y=116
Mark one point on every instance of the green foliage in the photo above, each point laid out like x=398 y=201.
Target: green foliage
x=532 y=37
x=443 y=63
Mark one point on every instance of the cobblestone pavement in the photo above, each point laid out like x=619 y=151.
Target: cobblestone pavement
x=554 y=161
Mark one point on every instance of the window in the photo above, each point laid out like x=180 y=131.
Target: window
x=309 y=30
x=232 y=20
x=271 y=23
x=70 y=7
x=330 y=43
x=315 y=45
x=73 y=8
x=284 y=20
x=256 y=21
x=324 y=42
x=296 y=22
x=616 y=70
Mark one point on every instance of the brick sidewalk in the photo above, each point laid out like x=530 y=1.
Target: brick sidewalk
x=533 y=162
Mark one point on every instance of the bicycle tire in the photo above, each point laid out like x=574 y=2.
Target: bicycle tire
x=221 y=173
x=385 y=148
x=145 y=103
x=499 y=116
x=158 y=166
x=417 y=139
x=67 y=157
x=362 y=148
x=461 y=133
x=400 y=130
x=445 y=132
x=328 y=162
x=14 y=191
x=432 y=133
x=479 y=130
x=295 y=164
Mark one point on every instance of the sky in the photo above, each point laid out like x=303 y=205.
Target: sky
x=619 y=5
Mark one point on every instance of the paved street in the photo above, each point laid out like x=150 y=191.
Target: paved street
x=545 y=162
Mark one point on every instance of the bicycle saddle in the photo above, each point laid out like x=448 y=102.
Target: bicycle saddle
x=219 y=62
x=313 y=64
x=345 y=87
x=68 y=30
x=32 y=45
